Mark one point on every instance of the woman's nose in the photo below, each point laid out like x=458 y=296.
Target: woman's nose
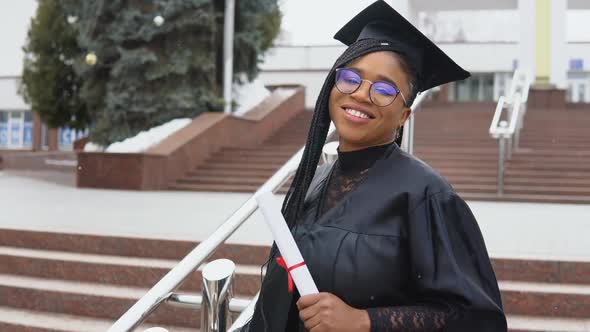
x=362 y=94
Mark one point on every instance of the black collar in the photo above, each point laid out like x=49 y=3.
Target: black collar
x=359 y=160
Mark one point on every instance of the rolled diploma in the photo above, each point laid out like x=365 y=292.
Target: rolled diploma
x=271 y=209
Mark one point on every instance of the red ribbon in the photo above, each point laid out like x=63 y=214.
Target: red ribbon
x=283 y=264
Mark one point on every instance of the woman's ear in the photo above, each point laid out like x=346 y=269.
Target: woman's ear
x=405 y=115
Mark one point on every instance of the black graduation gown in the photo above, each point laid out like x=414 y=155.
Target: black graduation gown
x=402 y=237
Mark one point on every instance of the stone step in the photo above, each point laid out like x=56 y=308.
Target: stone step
x=519 y=323
x=126 y=246
x=420 y=150
x=549 y=166
x=519 y=181
x=241 y=166
x=525 y=189
x=541 y=152
x=473 y=164
x=554 y=145
x=110 y=301
x=544 y=181
x=545 y=299
x=256 y=152
x=450 y=166
x=226 y=158
x=226 y=188
x=579 y=137
x=110 y=270
x=23 y=320
x=492 y=155
x=528 y=198
x=222 y=180
x=542 y=271
x=274 y=146
x=125 y=251
x=535 y=173
x=85 y=299
x=232 y=188
x=458 y=157
x=444 y=140
x=261 y=174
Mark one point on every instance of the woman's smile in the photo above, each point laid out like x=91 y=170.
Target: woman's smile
x=356 y=113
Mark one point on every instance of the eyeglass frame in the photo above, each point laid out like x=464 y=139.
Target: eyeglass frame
x=371 y=84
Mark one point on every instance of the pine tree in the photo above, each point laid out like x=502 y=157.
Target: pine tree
x=148 y=71
x=49 y=83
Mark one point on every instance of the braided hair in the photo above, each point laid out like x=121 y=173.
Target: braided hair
x=316 y=138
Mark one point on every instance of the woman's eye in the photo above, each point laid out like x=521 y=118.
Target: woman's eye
x=384 y=91
x=351 y=80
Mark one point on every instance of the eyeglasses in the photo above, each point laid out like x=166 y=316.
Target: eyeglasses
x=381 y=93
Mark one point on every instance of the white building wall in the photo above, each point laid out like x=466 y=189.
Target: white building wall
x=9 y=97
x=580 y=50
x=559 y=62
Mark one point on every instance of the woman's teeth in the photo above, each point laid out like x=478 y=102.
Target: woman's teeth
x=356 y=113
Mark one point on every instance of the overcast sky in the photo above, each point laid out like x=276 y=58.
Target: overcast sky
x=309 y=22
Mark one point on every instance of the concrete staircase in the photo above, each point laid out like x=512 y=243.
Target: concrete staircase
x=63 y=282
x=245 y=170
x=71 y=282
x=552 y=164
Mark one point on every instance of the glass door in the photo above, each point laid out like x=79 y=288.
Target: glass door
x=16 y=121
x=3 y=129
x=579 y=90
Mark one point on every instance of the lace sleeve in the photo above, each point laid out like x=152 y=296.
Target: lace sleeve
x=408 y=319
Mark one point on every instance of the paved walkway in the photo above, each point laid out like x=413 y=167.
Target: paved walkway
x=49 y=202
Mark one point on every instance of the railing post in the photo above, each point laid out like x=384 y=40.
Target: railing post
x=217 y=292
x=500 y=178
x=411 y=136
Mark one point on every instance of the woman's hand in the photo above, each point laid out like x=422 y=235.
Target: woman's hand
x=325 y=312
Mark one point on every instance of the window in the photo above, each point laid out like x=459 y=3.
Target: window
x=479 y=87
x=3 y=129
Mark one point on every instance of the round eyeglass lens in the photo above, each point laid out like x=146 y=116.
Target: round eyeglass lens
x=382 y=93
x=347 y=81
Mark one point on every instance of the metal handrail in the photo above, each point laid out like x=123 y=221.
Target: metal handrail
x=174 y=278
x=164 y=289
x=508 y=132
x=408 y=135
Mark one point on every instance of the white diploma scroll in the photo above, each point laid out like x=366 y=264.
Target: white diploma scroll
x=271 y=209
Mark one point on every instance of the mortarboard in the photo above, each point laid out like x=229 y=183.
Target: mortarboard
x=381 y=22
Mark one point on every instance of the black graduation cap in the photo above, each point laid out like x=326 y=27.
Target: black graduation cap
x=381 y=22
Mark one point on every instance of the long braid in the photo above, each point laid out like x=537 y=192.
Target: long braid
x=320 y=123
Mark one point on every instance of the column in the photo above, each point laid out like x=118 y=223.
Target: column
x=543 y=42
x=37 y=132
x=52 y=139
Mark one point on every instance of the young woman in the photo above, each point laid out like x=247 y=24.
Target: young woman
x=388 y=242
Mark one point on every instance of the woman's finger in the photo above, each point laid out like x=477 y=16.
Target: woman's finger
x=309 y=312
x=307 y=300
x=313 y=322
